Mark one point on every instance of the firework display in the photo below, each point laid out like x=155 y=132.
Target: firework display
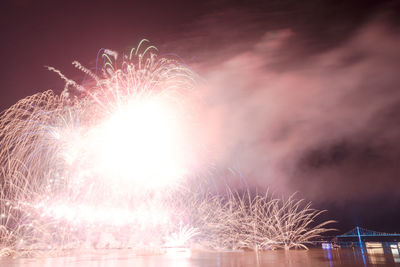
x=107 y=164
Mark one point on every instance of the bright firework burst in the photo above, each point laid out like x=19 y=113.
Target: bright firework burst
x=102 y=155
x=106 y=164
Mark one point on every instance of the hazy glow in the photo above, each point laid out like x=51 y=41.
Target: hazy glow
x=143 y=215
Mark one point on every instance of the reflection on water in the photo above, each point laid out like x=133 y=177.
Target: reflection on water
x=376 y=254
x=370 y=255
x=395 y=252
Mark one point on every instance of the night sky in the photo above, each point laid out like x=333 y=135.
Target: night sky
x=301 y=96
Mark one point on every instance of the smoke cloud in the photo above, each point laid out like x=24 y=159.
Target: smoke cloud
x=324 y=124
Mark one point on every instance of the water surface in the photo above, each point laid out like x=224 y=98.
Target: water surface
x=185 y=258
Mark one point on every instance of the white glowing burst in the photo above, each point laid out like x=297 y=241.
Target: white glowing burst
x=140 y=142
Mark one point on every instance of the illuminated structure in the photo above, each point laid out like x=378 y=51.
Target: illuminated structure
x=359 y=236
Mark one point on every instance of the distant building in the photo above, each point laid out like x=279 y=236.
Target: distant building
x=358 y=236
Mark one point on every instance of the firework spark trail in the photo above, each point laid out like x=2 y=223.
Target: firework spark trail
x=255 y=222
x=108 y=165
